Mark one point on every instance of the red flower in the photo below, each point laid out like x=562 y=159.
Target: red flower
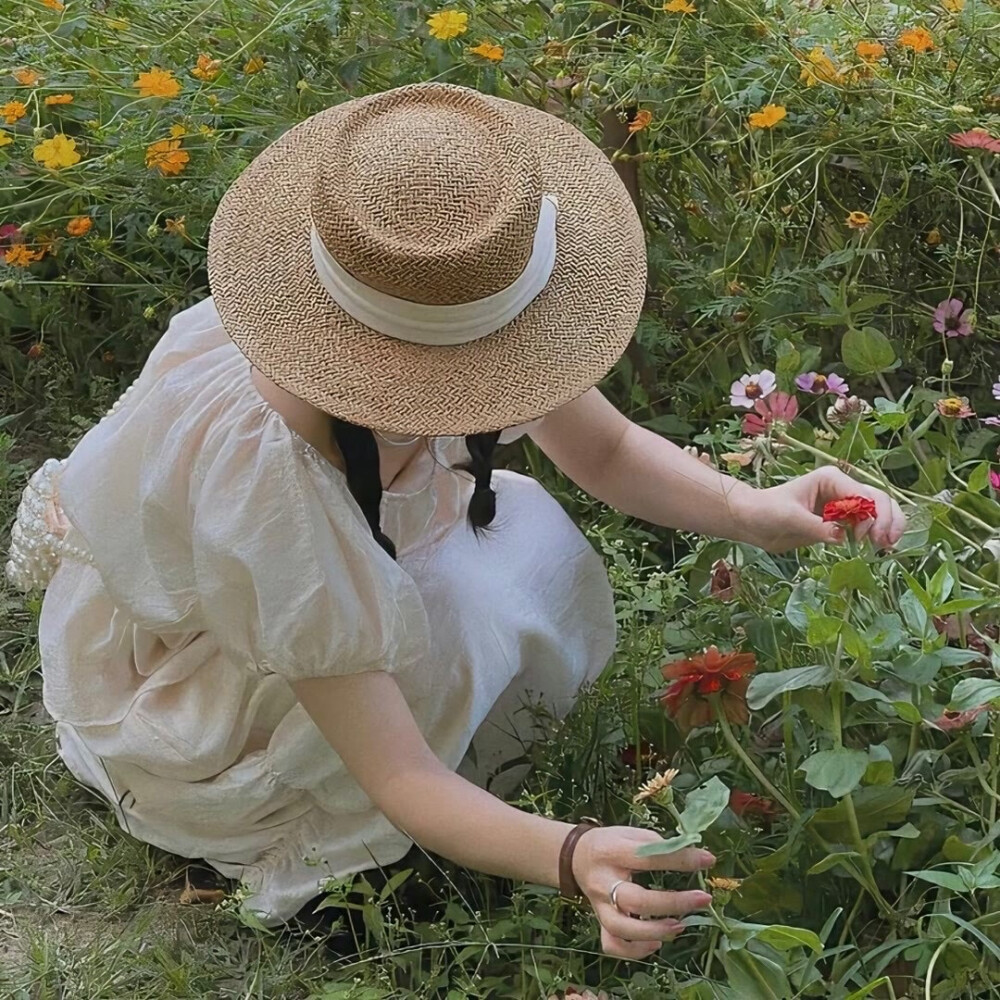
x=746 y=805
x=850 y=510
x=696 y=679
x=9 y=233
x=778 y=406
x=975 y=139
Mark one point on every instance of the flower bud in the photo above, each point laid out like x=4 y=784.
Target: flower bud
x=152 y=231
x=149 y=312
x=947 y=366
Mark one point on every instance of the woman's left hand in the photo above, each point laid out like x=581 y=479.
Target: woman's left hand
x=790 y=515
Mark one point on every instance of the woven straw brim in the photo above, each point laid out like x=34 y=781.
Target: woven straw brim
x=275 y=309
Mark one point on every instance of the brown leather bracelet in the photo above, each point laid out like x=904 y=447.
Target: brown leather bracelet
x=568 y=886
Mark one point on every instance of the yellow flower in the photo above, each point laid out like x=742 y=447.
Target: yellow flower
x=59 y=151
x=206 y=129
x=870 y=51
x=206 y=68
x=54 y=5
x=20 y=256
x=447 y=24
x=175 y=226
x=818 y=67
x=953 y=6
x=26 y=77
x=640 y=121
x=167 y=156
x=768 y=116
x=119 y=24
x=933 y=238
x=58 y=99
x=5 y=140
x=488 y=51
x=656 y=785
x=858 y=220
x=254 y=64
x=176 y=131
x=13 y=110
x=680 y=7
x=918 y=39
x=724 y=883
x=79 y=226
x=157 y=83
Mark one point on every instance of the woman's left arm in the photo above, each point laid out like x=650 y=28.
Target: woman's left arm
x=644 y=475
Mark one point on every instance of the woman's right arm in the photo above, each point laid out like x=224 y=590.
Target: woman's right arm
x=368 y=723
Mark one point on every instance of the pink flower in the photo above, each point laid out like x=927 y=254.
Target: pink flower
x=949 y=720
x=819 y=384
x=991 y=421
x=952 y=318
x=751 y=388
x=995 y=479
x=9 y=233
x=778 y=408
x=996 y=390
x=975 y=139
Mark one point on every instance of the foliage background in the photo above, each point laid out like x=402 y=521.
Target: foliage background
x=751 y=266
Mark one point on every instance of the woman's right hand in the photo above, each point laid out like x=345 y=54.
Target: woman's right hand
x=605 y=855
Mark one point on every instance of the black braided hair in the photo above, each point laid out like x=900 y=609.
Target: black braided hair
x=483 y=505
x=361 y=464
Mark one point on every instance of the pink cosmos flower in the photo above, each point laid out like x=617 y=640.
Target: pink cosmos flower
x=780 y=407
x=975 y=139
x=995 y=479
x=751 y=388
x=952 y=318
x=991 y=421
x=9 y=233
x=819 y=384
x=950 y=720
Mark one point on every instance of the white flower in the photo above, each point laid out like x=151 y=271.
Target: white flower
x=750 y=388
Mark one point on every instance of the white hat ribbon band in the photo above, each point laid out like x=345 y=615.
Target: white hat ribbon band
x=441 y=325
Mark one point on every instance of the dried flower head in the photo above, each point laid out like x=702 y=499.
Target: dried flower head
x=846 y=408
x=656 y=785
x=723 y=883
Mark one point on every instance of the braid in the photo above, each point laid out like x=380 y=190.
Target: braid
x=483 y=505
x=357 y=446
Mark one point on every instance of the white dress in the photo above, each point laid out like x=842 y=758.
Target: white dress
x=201 y=554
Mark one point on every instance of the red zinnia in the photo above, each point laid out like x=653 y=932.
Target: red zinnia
x=778 y=406
x=850 y=510
x=696 y=679
x=746 y=805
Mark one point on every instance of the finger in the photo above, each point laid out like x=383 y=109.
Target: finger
x=643 y=902
x=689 y=859
x=627 y=928
x=898 y=524
x=612 y=945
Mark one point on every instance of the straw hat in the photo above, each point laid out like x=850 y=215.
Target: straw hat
x=430 y=261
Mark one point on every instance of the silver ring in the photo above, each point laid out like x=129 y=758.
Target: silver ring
x=613 y=895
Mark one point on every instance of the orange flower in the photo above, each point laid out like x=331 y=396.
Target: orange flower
x=167 y=156
x=818 y=67
x=54 y=5
x=850 y=510
x=20 y=255
x=870 y=51
x=640 y=121
x=35 y=351
x=858 y=220
x=26 y=77
x=488 y=51
x=933 y=238
x=680 y=7
x=175 y=226
x=254 y=64
x=58 y=99
x=206 y=68
x=13 y=110
x=157 y=83
x=698 y=679
x=79 y=226
x=918 y=39
x=768 y=116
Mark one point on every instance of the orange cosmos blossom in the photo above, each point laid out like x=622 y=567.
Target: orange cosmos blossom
x=918 y=39
x=767 y=117
x=79 y=226
x=640 y=121
x=157 y=83
x=167 y=156
x=488 y=51
x=870 y=51
x=695 y=680
x=26 y=77
x=206 y=68
x=58 y=99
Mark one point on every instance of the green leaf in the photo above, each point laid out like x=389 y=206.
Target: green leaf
x=852 y=574
x=907 y=711
x=914 y=613
x=973 y=692
x=754 y=977
x=878 y=807
x=836 y=771
x=802 y=600
x=831 y=861
x=880 y=770
x=947 y=880
x=867 y=351
x=979 y=478
x=669 y=845
x=764 y=687
x=703 y=806
x=785 y=938
x=885 y=633
x=670 y=425
x=867 y=991
x=823 y=630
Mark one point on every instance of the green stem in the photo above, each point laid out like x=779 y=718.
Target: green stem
x=985 y=178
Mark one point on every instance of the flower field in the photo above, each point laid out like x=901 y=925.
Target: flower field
x=819 y=186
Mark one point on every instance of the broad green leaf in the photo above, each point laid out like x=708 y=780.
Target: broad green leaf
x=880 y=770
x=907 y=711
x=885 y=633
x=754 y=977
x=703 y=806
x=823 y=630
x=764 y=687
x=940 y=585
x=836 y=771
x=867 y=351
x=878 y=807
x=831 y=861
x=916 y=668
x=861 y=692
x=852 y=574
x=951 y=656
x=979 y=478
x=802 y=599
x=785 y=938
x=947 y=880
x=973 y=692
x=669 y=845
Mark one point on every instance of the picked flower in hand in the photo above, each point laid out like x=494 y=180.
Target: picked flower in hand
x=850 y=510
